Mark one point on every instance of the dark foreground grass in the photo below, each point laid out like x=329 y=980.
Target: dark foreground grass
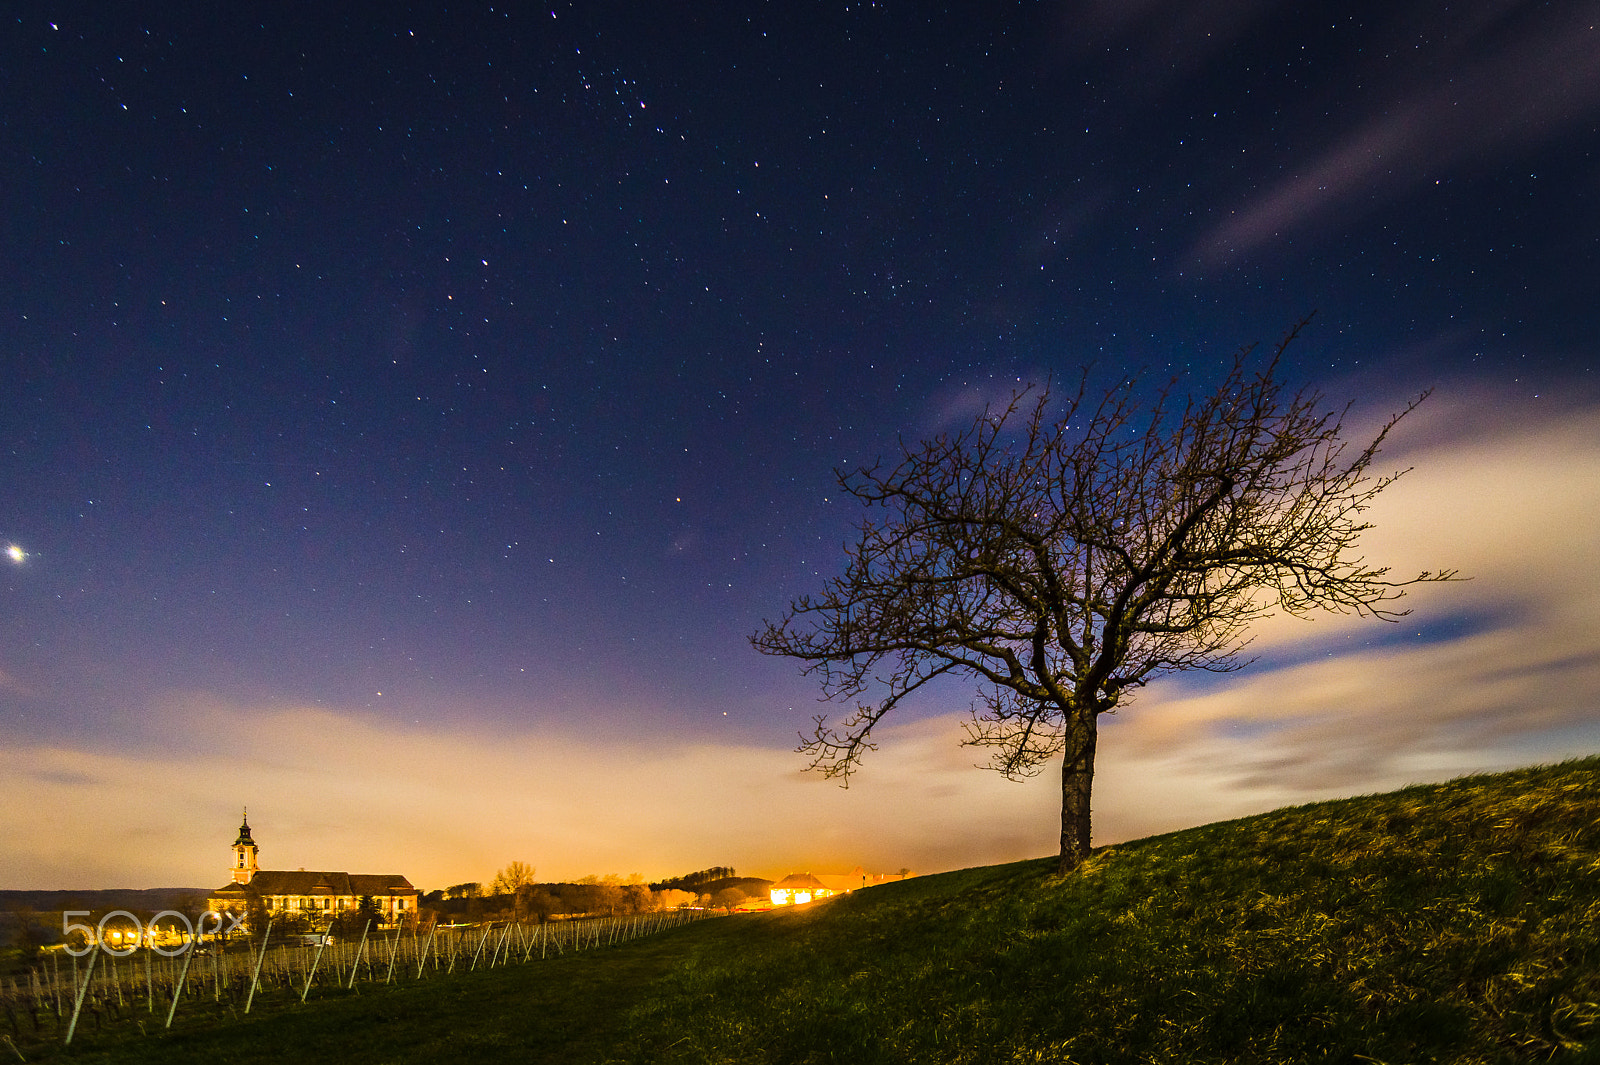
x=1450 y=923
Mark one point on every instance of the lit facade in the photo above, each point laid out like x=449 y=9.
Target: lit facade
x=799 y=888
x=314 y=893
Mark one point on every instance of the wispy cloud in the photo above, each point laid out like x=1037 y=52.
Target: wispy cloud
x=1487 y=85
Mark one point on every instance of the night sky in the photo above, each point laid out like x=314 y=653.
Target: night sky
x=408 y=412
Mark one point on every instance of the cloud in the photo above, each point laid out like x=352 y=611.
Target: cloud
x=349 y=791
x=1498 y=671
x=957 y=406
x=1509 y=82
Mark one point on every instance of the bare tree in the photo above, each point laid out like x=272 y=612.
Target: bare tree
x=515 y=875
x=1066 y=554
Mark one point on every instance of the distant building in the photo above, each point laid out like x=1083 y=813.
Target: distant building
x=798 y=888
x=315 y=894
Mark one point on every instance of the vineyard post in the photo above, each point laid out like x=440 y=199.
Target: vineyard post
x=481 y=942
x=427 y=949
x=322 y=945
x=356 y=964
x=266 y=937
x=83 y=989
x=394 y=947
x=183 y=978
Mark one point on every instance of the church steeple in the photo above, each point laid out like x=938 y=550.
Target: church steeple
x=244 y=853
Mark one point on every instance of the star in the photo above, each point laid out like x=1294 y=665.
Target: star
x=16 y=554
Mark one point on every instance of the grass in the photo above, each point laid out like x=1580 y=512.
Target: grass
x=567 y=1009
x=1457 y=922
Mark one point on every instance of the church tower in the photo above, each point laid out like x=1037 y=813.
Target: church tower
x=244 y=854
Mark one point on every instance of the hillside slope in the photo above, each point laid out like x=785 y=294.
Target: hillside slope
x=1457 y=922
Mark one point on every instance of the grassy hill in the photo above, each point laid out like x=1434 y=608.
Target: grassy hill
x=1446 y=923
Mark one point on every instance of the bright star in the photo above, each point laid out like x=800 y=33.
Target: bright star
x=16 y=554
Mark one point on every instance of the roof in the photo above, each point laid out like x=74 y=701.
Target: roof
x=840 y=882
x=800 y=882
x=314 y=882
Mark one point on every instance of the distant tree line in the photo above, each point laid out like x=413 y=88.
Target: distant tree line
x=697 y=880
x=513 y=894
x=535 y=901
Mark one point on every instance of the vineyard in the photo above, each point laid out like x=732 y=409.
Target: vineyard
x=146 y=989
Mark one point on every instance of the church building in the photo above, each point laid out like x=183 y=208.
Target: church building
x=316 y=895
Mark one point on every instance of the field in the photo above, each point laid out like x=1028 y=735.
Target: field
x=1446 y=923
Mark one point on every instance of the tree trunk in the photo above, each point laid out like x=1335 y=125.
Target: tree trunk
x=1077 y=780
